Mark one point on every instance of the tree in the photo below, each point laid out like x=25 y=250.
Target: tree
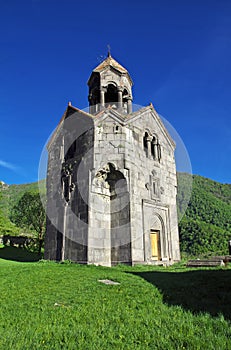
x=29 y=213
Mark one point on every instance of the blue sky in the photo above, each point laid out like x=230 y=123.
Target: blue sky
x=177 y=52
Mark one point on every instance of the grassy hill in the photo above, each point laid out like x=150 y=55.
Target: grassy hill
x=206 y=225
x=204 y=229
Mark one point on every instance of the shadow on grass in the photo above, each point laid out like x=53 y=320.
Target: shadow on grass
x=17 y=254
x=198 y=291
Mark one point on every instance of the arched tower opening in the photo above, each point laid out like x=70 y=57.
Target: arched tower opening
x=111 y=94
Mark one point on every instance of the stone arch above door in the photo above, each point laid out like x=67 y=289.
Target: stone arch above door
x=157 y=237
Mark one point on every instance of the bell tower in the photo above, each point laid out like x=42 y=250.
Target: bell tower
x=111 y=179
x=110 y=85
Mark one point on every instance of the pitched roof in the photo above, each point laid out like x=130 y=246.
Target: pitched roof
x=109 y=61
x=64 y=116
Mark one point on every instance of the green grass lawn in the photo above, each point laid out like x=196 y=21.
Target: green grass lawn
x=46 y=305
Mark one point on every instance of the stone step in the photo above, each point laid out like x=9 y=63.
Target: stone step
x=205 y=263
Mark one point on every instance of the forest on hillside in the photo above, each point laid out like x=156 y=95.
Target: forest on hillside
x=205 y=228
x=204 y=211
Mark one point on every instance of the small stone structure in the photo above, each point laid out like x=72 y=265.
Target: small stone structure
x=211 y=262
x=111 y=180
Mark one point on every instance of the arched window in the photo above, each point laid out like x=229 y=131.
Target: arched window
x=151 y=146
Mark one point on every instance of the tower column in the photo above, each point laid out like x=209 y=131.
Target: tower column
x=91 y=104
x=129 y=105
x=102 y=97
x=154 y=148
x=120 y=97
x=149 y=140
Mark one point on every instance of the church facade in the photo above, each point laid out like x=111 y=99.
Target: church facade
x=111 y=179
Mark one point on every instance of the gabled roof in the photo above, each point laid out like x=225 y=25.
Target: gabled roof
x=125 y=119
x=111 y=112
x=69 y=109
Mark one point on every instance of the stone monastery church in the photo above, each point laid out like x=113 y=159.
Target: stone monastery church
x=111 y=179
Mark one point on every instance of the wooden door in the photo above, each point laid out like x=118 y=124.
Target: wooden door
x=155 y=244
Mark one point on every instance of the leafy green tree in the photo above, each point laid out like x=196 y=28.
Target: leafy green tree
x=29 y=213
x=6 y=226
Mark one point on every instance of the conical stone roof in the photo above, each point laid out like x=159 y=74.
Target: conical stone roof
x=109 y=61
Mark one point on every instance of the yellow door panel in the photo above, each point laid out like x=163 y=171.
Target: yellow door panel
x=155 y=244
